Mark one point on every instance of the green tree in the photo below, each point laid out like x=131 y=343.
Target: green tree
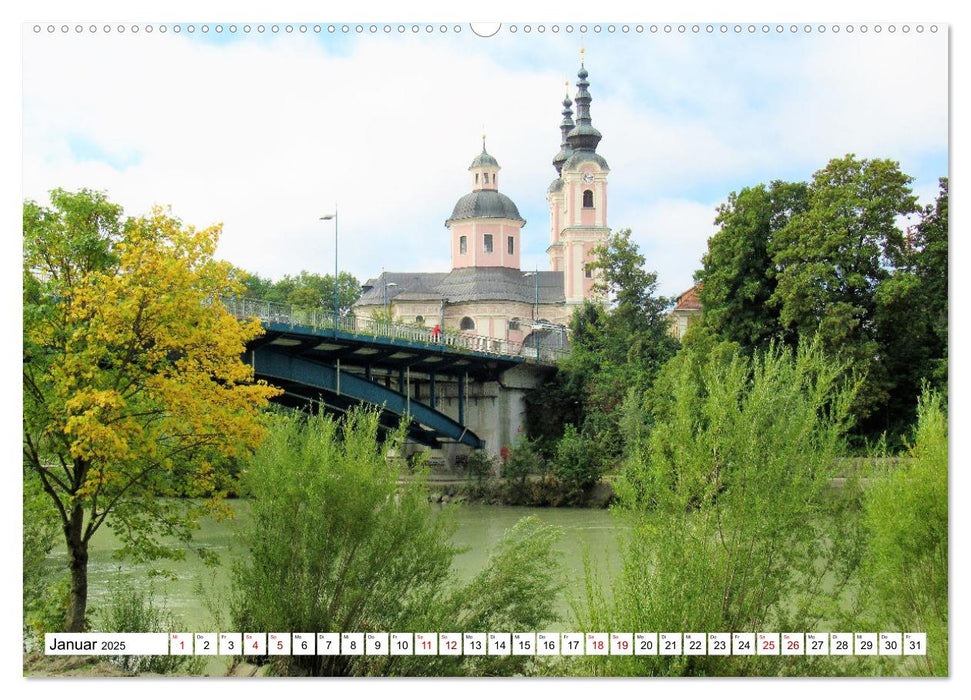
x=739 y=274
x=133 y=385
x=337 y=544
x=255 y=287
x=306 y=290
x=614 y=347
x=910 y=315
x=44 y=593
x=833 y=259
x=792 y=260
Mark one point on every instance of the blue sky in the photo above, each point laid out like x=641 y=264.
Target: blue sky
x=263 y=132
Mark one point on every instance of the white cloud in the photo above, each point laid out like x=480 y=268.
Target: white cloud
x=266 y=134
x=673 y=234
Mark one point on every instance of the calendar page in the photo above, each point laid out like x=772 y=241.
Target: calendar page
x=433 y=348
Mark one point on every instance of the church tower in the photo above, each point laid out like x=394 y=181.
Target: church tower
x=485 y=225
x=578 y=197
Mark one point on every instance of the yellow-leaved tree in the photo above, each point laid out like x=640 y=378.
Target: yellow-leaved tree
x=135 y=392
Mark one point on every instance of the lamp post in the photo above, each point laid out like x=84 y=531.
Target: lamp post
x=386 y=285
x=441 y=324
x=328 y=217
x=535 y=275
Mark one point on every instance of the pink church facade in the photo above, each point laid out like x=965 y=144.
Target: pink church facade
x=486 y=292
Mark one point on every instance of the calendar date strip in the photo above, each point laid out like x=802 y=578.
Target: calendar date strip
x=488 y=644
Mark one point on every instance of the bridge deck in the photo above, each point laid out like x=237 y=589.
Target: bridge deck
x=363 y=336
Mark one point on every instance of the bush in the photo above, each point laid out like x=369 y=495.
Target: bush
x=726 y=498
x=336 y=544
x=46 y=591
x=524 y=459
x=132 y=610
x=480 y=465
x=906 y=563
x=577 y=463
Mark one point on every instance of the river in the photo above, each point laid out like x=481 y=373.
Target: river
x=586 y=532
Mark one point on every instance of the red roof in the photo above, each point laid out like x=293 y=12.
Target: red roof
x=689 y=300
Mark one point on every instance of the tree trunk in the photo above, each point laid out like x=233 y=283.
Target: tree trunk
x=77 y=550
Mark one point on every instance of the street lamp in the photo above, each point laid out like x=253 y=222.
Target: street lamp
x=328 y=217
x=535 y=276
x=386 y=285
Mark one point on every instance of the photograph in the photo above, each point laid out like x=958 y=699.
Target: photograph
x=515 y=349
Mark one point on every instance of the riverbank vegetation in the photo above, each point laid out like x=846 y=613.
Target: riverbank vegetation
x=336 y=543
x=823 y=334
x=726 y=495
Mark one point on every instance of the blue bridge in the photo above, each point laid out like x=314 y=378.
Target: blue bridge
x=448 y=387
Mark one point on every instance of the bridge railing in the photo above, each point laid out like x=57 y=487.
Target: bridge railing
x=323 y=319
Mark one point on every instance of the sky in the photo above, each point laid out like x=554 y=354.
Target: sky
x=265 y=132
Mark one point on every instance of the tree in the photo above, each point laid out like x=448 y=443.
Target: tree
x=630 y=289
x=616 y=345
x=739 y=275
x=834 y=257
x=911 y=312
x=307 y=290
x=134 y=388
x=792 y=260
x=577 y=463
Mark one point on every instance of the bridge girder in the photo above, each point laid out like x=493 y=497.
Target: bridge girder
x=426 y=424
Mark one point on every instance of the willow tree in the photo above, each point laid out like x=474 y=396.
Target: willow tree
x=134 y=388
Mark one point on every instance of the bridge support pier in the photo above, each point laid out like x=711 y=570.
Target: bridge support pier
x=493 y=410
x=461 y=396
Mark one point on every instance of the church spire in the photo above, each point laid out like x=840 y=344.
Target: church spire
x=566 y=126
x=583 y=137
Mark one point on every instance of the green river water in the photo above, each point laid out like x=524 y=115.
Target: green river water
x=586 y=532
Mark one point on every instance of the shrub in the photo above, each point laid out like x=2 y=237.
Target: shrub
x=336 y=544
x=906 y=563
x=577 y=463
x=524 y=459
x=480 y=465
x=46 y=591
x=730 y=525
x=132 y=610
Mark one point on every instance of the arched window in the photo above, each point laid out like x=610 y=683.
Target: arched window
x=463 y=245
x=588 y=199
x=485 y=178
x=477 y=178
x=510 y=245
x=487 y=243
x=467 y=324
x=420 y=319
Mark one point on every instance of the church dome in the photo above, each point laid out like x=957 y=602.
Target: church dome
x=484 y=160
x=485 y=204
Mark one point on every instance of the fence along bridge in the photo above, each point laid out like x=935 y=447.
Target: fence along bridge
x=406 y=371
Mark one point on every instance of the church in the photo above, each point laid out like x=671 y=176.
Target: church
x=487 y=293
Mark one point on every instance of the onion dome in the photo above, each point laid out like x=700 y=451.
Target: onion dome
x=583 y=136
